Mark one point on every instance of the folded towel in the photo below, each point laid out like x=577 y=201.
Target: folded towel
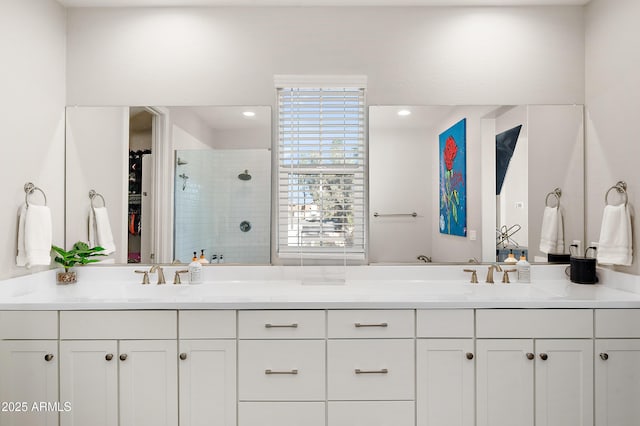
x=34 y=236
x=552 y=233
x=100 y=230
x=615 y=246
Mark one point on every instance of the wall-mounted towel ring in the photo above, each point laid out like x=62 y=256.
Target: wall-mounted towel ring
x=557 y=193
x=93 y=194
x=621 y=187
x=29 y=188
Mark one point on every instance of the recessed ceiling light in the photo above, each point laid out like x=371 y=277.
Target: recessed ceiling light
x=249 y=114
x=404 y=112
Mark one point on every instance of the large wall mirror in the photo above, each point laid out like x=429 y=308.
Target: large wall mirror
x=505 y=193
x=174 y=180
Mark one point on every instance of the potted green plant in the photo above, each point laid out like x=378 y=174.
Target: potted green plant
x=80 y=254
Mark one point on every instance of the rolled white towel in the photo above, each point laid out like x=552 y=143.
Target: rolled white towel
x=34 y=236
x=615 y=245
x=100 y=230
x=552 y=232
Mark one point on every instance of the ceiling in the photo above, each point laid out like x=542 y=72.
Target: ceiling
x=181 y=3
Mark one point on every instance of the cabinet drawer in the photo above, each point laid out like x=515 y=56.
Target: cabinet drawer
x=617 y=323
x=356 y=324
x=281 y=414
x=276 y=370
x=98 y=325
x=281 y=324
x=449 y=323
x=380 y=369
x=207 y=324
x=531 y=323
x=379 y=413
x=26 y=325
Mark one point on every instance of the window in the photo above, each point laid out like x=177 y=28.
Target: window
x=321 y=175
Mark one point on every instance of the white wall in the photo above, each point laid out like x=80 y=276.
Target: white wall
x=613 y=101
x=32 y=83
x=97 y=155
x=400 y=181
x=228 y=56
x=514 y=198
x=556 y=160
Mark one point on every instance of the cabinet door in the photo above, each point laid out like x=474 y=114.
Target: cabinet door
x=29 y=382
x=617 y=382
x=564 y=382
x=504 y=390
x=148 y=383
x=207 y=382
x=445 y=382
x=89 y=381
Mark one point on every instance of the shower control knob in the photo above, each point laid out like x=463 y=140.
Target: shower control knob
x=245 y=226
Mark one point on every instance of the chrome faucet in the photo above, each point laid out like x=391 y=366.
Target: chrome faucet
x=492 y=267
x=158 y=269
x=423 y=258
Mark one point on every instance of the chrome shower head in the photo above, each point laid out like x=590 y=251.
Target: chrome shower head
x=245 y=175
x=181 y=162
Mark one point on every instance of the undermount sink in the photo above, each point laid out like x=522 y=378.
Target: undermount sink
x=512 y=290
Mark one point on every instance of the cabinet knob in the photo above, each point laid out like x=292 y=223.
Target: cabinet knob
x=530 y=356
x=48 y=357
x=604 y=356
x=469 y=355
x=183 y=356
x=108 y=357
x=123 y=357
x=544 y=356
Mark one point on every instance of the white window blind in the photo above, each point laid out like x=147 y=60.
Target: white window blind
x=321 y=171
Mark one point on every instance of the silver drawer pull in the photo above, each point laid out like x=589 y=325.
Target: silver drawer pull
x=383 y=371
x=295 y=371
x=294 y=325
x=382 y=324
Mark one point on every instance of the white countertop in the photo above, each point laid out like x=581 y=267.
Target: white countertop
x=358 y=287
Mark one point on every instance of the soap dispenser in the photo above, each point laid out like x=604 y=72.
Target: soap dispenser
x=511 y=259
x=202 y=259
x=523 y=269
x=195 y=270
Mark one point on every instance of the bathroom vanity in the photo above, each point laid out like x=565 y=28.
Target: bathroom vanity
x=267 y=346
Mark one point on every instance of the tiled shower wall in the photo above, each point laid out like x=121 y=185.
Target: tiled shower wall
x=214 y=201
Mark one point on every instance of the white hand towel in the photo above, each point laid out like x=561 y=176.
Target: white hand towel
x=615 y=246
x=552 y=233
x=100 y=230
x=34 y=236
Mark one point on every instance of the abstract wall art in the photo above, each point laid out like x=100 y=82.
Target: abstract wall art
x=453 y=180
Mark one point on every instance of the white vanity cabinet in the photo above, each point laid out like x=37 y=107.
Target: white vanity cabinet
x=281 y=368
x=534 y=367
x=207 y=368
x=119 y=367
x=371 y=367
x=617 y=367
x=445 y=368
x=29 y=368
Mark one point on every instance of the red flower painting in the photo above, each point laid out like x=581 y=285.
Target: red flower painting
x=453 y=206
x=450 y=151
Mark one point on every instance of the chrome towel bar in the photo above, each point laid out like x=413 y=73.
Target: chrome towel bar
x=376 y=214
